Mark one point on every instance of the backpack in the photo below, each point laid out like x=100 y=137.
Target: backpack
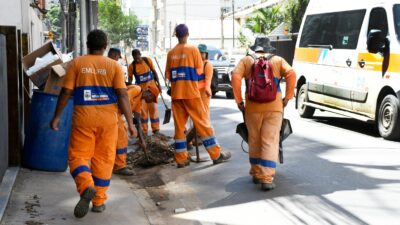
x=260 y=85
x=214 y=79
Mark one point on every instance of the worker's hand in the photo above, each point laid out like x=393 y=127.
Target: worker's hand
x=132 y=130
x=285 y=102
x=241 y=106
x=208 y=92
x=54 y=123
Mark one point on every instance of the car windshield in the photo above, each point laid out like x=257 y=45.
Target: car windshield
x=215 y=54
x=396 y=13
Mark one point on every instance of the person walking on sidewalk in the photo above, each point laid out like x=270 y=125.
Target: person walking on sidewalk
x=184 y=65
x=97 y=85
x=263 y=120
x=145 y=75
x=204 y=86
x=135 y=100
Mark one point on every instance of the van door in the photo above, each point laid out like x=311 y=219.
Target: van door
x=369 y=80
x=335 y=35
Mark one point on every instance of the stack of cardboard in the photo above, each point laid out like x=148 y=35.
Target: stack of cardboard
x=45 y=68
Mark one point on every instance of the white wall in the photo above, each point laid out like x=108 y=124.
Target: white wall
x=10 y=13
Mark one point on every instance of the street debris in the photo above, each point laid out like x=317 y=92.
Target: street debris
x=160 y=151
x=180 y=210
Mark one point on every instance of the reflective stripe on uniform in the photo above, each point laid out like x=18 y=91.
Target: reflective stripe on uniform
x=80 y=169
x=100 y=182
x=180 y=145
x=94 y=95
x=209 y=142
x=184 y=73
x=121 y=151
x=263 y=162
x=156 y=120
x=144 y=78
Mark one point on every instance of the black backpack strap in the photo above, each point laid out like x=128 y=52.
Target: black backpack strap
x=205 y=63
x=134 y=68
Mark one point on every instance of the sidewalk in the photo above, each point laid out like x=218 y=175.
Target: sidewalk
x=40 y=198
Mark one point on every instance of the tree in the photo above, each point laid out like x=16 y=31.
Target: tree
x=243 y=40
x=263 y=21
x=119 y=27
x=54 y=16
x=294 y=13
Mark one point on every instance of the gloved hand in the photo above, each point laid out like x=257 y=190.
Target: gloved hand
x=169 y=91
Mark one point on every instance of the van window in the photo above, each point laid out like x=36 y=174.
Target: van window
x=339 y=29
x=396 y=13
x=378 y=20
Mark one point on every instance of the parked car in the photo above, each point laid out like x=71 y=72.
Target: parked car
x=222 y=71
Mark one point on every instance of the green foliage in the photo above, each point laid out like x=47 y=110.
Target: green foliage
x=54 y=16
x=117 y=25
x=263 y=21
x=294 y=13
x=243 y=40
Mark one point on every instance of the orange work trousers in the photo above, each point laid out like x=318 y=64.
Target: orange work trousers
x=150 y=110
x=122 y=145
x=181 y=110
x=91 y=158
x=263 y=131
x=206 y=101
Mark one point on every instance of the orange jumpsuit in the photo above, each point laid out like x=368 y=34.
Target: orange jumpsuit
x=144 y=78
x=134 y=95
x=93 y=140
x=264 y=120
x=205 y=83
x=184 y=64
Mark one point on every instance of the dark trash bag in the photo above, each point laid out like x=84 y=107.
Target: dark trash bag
x=286 y=130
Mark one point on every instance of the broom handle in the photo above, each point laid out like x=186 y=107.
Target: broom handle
x=162 y=74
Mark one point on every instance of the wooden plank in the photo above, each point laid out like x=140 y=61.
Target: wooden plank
x=26 y=86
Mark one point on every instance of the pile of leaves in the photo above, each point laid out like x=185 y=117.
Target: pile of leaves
x=159 y=150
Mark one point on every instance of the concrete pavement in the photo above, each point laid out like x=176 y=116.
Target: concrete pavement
x=49 y=198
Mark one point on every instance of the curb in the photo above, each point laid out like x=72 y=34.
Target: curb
x=6 y=187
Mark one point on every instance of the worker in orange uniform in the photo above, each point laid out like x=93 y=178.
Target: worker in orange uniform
x=263 y=120
x=145 y=75
x=184 y=65
x=98 y=88
x=204 y=86
x=135 y=100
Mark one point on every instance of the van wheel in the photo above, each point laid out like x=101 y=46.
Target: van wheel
x=229 y=95
x=388 y=118
x=304 y=111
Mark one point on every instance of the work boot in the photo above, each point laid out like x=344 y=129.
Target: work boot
x=82 y=207
x=124 y=171
x=186 y=163
x=267 y=186
x=98 y=208
x=223 y=156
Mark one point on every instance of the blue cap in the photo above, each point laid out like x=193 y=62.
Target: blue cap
x=181 y=30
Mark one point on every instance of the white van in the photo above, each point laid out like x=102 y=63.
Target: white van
x=347 y=61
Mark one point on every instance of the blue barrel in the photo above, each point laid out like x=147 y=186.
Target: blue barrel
x=44 y=148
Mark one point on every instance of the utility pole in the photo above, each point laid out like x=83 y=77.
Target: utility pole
x=83 y=15
x=222 y=27
x=233 y=23
x=170 y=34
x=155 y=37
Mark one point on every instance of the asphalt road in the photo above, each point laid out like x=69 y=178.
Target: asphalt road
x=336 y=171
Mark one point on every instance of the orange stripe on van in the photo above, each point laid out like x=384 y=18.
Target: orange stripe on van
x=374 y=62
x=307 y=55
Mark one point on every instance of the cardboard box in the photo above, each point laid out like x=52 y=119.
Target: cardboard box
x=39 y=77
x=55 y=79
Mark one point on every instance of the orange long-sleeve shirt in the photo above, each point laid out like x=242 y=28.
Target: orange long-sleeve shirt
x=280 y=69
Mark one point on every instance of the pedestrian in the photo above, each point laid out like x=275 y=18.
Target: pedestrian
x=135 y=99
x=204 y=87
x=263 y=120
x=142 y=69
x=97 y=85
x=184 y=65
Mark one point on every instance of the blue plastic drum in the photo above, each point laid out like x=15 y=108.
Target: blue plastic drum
x=44 y=148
